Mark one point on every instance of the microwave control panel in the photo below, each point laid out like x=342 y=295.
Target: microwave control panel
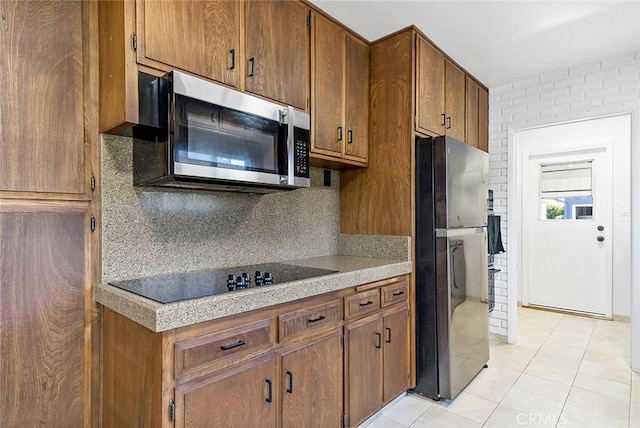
x=301 y=153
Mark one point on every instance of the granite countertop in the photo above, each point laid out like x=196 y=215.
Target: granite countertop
x=158 y=317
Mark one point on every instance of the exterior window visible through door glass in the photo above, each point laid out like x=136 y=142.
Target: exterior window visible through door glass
x=566 y=191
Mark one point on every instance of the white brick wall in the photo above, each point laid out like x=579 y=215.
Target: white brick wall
x=586 y=90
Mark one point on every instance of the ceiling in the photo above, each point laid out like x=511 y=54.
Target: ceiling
x=503 y=41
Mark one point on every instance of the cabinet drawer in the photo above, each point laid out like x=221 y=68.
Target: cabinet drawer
x=203 y=354
x=311 y=319
x=392 y=293
x=362 y=303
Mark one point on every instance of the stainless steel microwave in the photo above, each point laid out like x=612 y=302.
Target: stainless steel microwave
x=197 y=134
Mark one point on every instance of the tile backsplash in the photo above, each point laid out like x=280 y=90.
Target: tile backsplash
x=152 y=231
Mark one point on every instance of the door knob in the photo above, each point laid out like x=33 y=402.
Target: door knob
x=600 y=238
x=600 y=228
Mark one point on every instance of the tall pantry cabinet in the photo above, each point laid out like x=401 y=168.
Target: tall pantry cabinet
x=415 y=91
x=48 y=135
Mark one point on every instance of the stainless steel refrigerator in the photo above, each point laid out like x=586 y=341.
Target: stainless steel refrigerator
x=452 y=319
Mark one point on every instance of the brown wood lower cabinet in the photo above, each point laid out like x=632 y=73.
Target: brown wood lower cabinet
x=377 y=361
x=312 y=383
x=283 y=366
x=241 y=396
x=364 y=368
x=396 y=361
x=44 y=333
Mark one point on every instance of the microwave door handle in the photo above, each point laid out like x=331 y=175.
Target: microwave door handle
x=290 y=146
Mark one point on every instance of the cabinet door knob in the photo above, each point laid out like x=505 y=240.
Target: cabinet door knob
x=600 y=238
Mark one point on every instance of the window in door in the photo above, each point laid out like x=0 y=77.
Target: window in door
x=566 y=191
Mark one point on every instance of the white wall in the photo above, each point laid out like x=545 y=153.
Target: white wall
x=598 y=89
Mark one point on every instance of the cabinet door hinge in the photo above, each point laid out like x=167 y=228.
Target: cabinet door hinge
x=134 y=42
x=172 y=411
x=93 y=182
x=343 y=421
x=93 y=224
x=309 y=19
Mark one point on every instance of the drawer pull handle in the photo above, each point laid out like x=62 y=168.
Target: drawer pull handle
x=366 y=303
x=233 y=345
x=378 y=340
x=269 y=398
x=398 y=293
x=320 y=318
x=388 y=335
x=290 y=387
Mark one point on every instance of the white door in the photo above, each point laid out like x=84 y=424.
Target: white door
x=567 y=215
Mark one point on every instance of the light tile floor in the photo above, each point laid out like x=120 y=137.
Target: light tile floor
x=565 y=371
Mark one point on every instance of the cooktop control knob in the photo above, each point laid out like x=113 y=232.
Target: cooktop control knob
x=268 y=279
x=247 y=278
x=259 y=278
x=241 y=283
x=231 y=282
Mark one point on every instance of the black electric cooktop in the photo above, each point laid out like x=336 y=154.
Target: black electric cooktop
x=192 y=285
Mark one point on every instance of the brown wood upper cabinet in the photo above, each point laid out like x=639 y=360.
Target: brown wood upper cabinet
x=483 y=119
x=199 y=37
x=472 y=121
x=430 y=108
x=202 y=37
x=340 y=95
x=277 y=51
x=43 y=63
x=477 y=114
x=357 y=100
x=440 y=93
x=454 y=101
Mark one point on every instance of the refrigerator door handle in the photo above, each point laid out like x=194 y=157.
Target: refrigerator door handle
x=454 y=233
